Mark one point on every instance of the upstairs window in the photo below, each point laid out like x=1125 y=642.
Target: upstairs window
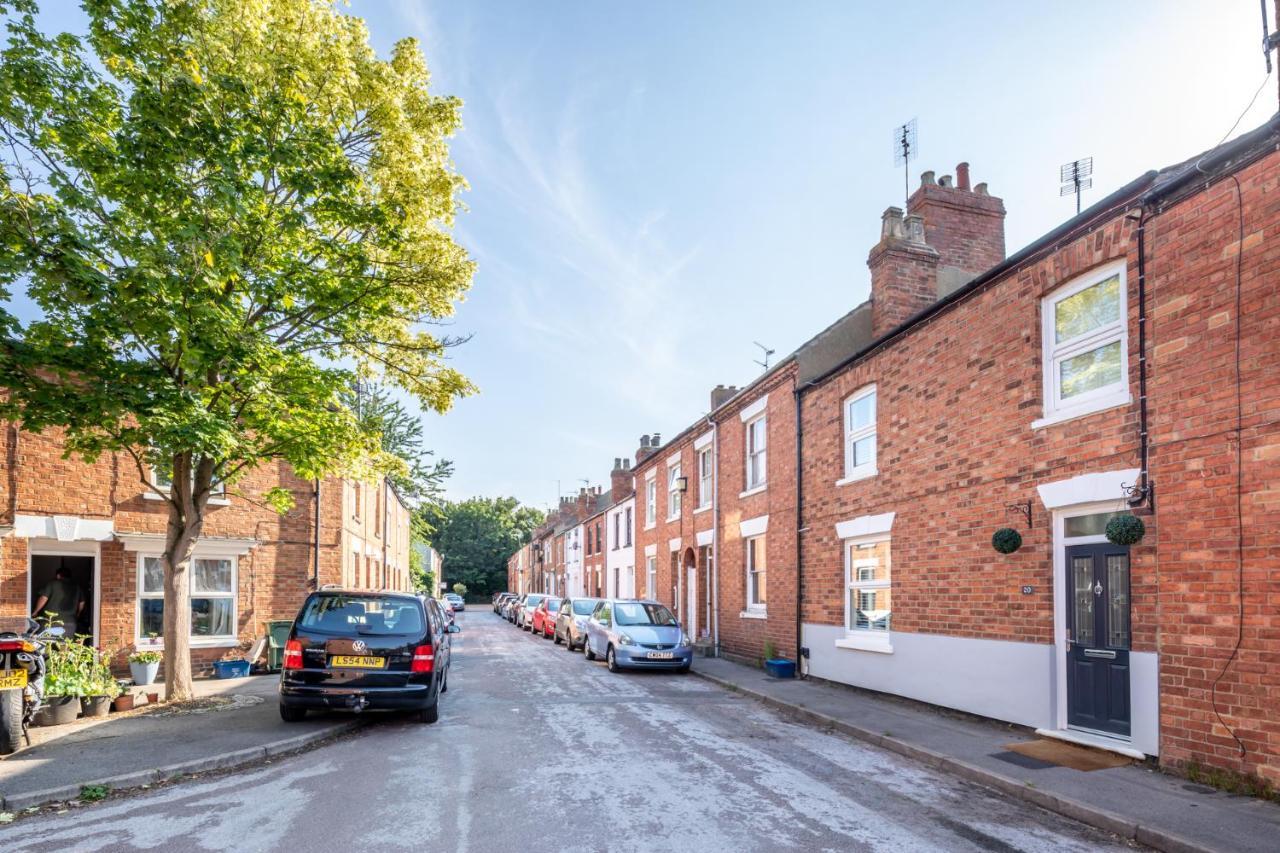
x=673 y=491
x=860 y=434
x=651 y=502
x=617 y=527
x=704 y=478
x=757 y=442
x=1086 y=345
x=627 y=527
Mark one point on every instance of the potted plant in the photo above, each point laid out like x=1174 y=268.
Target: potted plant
x=68 y=678
x=144 y=665
x=101 y=685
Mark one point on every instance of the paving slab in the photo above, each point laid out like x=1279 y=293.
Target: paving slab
x=1135 y=801
x=240 y=725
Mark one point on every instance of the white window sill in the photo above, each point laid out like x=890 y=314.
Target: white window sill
x=214 y=501
x=856 y=476
x=672 y=518
x=1101 y=405
x=754 y=614
x=195 y=643
x=651 y=525
x=702 y=509
x=867 y=641
x=754 y=490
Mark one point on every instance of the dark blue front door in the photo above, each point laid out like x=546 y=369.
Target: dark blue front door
x=1098 y=656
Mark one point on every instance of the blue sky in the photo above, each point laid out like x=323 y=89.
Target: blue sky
x=656 y=185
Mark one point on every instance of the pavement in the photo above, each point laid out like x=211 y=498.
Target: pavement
x=535 y=743
x=236 y=724
x=1135 y=801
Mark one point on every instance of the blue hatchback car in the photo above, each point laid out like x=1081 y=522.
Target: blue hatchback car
x=637 y=634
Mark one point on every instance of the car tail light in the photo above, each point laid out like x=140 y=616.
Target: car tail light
x=16 y=646
x=424 y=659
x=293 y=654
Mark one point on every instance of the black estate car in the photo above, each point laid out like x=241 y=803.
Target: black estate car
x=355 y=650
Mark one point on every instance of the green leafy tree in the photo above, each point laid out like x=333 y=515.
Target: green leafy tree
x=460 y=589
x=422 y=478
x=227 y=212
x=475 y=537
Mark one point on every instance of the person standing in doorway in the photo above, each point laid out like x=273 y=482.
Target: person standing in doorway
x=60 y=601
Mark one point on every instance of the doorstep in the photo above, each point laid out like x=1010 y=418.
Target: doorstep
x=1080 y=738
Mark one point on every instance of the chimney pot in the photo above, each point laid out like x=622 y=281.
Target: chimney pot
x=891 y=224
x=945 y=181
x=913 y=229
x=644 y=441
x=617 y=462
x=962 y=176
x=657 y=441
x=927 y=179
x=626 y=464
x=981 y=189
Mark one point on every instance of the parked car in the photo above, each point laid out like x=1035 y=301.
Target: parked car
x=500 y=599
x=447 y=607
x=640 y=634
x=459 y=603
x=544 y=617
x=571 y=621
x=362 y=650
x=511 y=608
x=524 y=617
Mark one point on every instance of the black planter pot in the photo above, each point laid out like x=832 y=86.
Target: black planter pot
x=95 y=706
x=59 y=710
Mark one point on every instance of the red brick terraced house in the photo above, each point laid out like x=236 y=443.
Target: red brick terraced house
x=251 y=564
x=1124 y=363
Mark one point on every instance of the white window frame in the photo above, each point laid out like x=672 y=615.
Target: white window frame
x=161 y=490
x=627 y=525
x=752 y=453
x=617 y=530
x=865 y=639
x=1053 y=354
x=650 y=576
x=852 y=436
x=674 y=497
x=705 y=473
x=651 y=502
x=143 y=642
x=747 y=562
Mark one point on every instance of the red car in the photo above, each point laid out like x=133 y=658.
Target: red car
x=544 y=618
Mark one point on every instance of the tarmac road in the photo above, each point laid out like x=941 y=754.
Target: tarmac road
x=536 y=749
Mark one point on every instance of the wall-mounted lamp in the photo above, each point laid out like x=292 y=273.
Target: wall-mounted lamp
x=682 y=484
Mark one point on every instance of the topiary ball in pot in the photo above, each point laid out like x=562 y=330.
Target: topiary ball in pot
x=1125 y=530
x=1006 y=540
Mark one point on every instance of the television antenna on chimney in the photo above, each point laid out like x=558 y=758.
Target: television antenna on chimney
x=1270 y=40
x=904 y=151
x=1075 y=177
x=767 y=352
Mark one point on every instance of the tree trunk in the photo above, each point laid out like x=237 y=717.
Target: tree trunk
x=189 y=494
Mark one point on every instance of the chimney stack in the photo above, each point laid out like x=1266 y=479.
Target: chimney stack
x=965 y=226
x=904 y=271
x=646 y=449
x=721 y=394
x=621 y=482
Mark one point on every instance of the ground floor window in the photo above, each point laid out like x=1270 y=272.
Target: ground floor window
x=651 y=577
x=868 y=605
x=757 y=586
x=213 y=598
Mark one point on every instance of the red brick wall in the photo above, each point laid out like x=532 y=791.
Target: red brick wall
x=682 y=526
x=740 y=635
x=904 y=282
x=967 y=228
x=1197 y=459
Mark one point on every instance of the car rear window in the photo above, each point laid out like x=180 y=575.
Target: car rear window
x=553 y=604
x=364 y=614
x=584 y=606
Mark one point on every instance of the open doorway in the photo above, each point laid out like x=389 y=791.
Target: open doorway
x=44 y=572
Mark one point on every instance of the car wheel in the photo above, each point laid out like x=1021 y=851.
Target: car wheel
x=444 y=685
x=586 y=648
x=431 y=713
x=292 y=715
x=556 y=638
x=611 y=660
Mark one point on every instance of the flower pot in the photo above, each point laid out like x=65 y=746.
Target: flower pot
x=60 y=710
x=144 y=673
x=123 y=702
x=95 y=706
x=153 y=698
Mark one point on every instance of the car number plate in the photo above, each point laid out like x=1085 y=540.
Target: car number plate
x=15 y=678
x=660 y=655
x=359 y=661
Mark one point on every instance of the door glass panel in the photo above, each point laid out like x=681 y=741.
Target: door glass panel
x=1118 y=601
x=1082 y=616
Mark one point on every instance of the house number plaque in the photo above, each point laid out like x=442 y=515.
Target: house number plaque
x=1028 y=590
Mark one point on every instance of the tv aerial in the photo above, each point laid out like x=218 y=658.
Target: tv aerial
x=904 y=151
x=1075 y=177
x=767 y=352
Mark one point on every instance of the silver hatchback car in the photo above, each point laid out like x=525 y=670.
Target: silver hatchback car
x=637 y=634
x=571 y=622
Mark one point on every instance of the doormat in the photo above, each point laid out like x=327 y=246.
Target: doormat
x=1071 y=755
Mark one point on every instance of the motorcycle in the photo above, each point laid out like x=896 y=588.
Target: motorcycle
x=23 y=664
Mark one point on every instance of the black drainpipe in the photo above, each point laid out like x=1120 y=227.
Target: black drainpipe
x=315 y=557
x=802 y=654
x=1144 y=490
